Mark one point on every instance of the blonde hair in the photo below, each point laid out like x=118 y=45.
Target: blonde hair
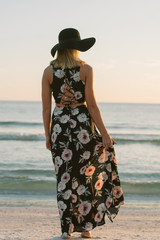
x=67 y=58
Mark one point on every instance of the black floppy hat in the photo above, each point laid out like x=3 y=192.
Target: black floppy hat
x=69 y=38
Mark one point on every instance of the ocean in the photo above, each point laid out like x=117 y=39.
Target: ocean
x=27 y=175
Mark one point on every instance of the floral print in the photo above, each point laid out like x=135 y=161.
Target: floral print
x=78 y=95
x=88 y=185
x=84 y=208
x=59 y=73
x=75 y=75
x=68 y=81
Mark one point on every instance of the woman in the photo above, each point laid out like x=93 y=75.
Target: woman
x=88 y=185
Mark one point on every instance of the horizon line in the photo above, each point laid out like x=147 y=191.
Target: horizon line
x=1 y=100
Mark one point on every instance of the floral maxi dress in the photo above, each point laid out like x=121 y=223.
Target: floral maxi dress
x=88 y=185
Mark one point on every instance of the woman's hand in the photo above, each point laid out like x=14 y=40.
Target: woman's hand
x=107 y=140
x=48 y=145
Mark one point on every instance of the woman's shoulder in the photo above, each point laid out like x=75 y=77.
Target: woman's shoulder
x=86 y=68
x=85 y=71
x=48 y=69
x=48 y=73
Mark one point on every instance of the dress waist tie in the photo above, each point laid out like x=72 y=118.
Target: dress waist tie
x=69 y=105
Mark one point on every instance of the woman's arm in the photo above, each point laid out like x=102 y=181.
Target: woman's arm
x=46 y=104
x=93 y=108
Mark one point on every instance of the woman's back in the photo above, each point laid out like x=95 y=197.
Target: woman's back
x=67 y=86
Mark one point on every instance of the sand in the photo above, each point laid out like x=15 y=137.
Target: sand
x=39 y=223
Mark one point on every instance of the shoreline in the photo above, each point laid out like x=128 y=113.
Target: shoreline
x=42 y=223
x=98 y=102
x=131 y=201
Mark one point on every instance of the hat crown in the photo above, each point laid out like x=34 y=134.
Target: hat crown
x=69 y=38
x=69 y=34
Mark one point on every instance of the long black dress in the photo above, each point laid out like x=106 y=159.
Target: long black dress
x=88 y=185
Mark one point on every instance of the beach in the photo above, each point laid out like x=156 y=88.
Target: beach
x=40 y=223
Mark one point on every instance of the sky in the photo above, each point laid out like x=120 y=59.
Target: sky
x=125 y=57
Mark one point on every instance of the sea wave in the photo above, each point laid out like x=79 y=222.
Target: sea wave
x=134 y=140
x=19 y=123
x=23 y=172
x=21 y=137
x=32 y=172
x=25 y=184
x=120 y=138
x=141 y=188
x=139 y=127
x=118 y=126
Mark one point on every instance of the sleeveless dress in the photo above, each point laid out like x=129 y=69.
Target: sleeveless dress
x=88 y=184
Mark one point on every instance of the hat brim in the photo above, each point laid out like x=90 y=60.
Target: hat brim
x=81 y=45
